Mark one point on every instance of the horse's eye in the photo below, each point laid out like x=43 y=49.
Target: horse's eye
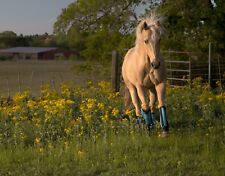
x=146 y=41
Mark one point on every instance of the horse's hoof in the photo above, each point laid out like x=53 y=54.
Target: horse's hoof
x=150 y=127
x=164 y=134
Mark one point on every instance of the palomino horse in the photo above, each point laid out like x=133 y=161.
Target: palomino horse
x=144 y=72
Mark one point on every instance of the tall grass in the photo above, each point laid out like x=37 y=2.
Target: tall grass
x=80 y=131
x=181 y=154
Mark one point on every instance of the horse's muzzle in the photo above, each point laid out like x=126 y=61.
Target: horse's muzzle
x=155 y=64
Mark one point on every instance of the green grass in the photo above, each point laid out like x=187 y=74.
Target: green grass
x=78 y=139
x=187 y=152
x=18 y=76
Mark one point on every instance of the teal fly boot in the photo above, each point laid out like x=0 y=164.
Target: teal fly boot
x=148 y=118
x=138 y=120
x=163 y=119
x=153 y=118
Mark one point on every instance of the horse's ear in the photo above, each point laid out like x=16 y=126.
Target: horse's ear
x=145 y=26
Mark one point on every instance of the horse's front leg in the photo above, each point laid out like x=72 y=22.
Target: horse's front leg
x=161 y=89
x=135 y=101
x=152 y=98
x=145 y=111
x=134 y=98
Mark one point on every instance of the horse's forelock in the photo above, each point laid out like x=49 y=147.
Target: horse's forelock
x=152 y=19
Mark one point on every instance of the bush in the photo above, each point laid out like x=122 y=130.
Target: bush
x=5 y=58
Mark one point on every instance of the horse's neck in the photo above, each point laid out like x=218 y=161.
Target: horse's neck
x=141 y=51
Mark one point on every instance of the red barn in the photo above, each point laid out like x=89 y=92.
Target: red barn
x=36 y=53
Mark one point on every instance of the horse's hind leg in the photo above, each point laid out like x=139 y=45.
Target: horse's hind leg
x=127 y=99
x=160 y=89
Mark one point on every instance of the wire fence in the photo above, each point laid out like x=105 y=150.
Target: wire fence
x=182 y=67
x=21 y=75
x=33 y=81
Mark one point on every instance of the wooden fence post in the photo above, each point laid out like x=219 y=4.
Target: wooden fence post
x=220 y=75
x=115 y=76
x=209 y=66
x=190 y=78
x=8 y=89
x=18 y=79
x=53 y=80
x=31 y=80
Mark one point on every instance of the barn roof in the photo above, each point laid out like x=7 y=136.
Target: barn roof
x=31 y=50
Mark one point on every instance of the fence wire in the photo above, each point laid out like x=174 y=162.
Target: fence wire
x=182 y=67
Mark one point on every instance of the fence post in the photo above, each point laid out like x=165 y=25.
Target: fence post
x=53 y=80
x=190 y=79
x=8 y=89
x=31 y=80
x=18 y=79
x=220 y=77
x=209 y=66
x=171 y=73
x=115 y=75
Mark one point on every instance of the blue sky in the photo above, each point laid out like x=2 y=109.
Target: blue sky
x=30 y=16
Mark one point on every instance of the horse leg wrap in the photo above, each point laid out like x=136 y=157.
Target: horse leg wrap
x=138 y=120
x=147 y=116
x=153 y=118
x=163 y=118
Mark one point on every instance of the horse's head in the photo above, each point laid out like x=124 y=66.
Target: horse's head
x=151 y=31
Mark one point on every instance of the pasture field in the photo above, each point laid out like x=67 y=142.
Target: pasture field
x=80 y=131
x=18 y=76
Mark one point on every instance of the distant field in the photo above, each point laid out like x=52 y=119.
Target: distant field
x=22 y=75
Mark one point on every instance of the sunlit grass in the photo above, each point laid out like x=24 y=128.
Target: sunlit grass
x=183 y=153
x=80 y=131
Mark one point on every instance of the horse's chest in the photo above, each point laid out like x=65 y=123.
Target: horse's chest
x=150 y=79
x=147 y=81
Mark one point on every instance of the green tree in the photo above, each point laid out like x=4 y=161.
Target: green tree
x=96 y=27
x=7 y=39
x=193 y=24
x=10 y=39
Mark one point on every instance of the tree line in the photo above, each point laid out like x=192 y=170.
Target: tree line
x=94 y=28
x=11 y=39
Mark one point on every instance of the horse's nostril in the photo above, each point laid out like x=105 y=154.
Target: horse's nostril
x=155 y=64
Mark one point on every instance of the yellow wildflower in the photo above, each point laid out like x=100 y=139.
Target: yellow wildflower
x=41 y=150
x=69 y=102
x=31 y=104
x=37 y=140
x=67 y=130
x=66 y=144
x=91 y=103
x=80 y=153
x=115 y=112
x=101 y=106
